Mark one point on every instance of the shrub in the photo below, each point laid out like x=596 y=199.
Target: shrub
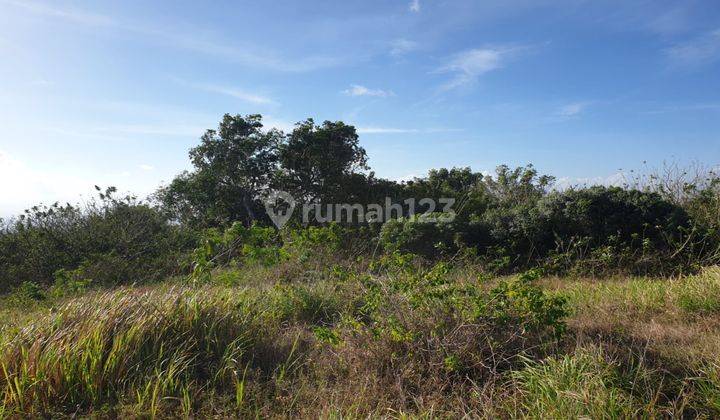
x=422 y=235
x=429 y=329
x=601 y=228
x=27 y=292
x=70 y=282
x=520 y=302
x=236 y=245
x=114 y=240
x=603 y=213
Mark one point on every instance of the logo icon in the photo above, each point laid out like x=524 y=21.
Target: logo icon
x=279 y=206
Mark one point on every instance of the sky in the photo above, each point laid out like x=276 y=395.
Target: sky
x=117 y=92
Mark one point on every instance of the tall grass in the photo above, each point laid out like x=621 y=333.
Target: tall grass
x=397 y=341
x=697 y=294
x=145 y=346
x=579 y=385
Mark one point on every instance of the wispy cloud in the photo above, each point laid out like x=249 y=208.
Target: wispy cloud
x=702 y=50
x=402 y=46
x=252 y=98
x=247 y=54
x=572 y=109
x=468 y=66
x=672 y=109
x=414 y=6
x=385 y=130
x=145 y=167
x=393 y=130
x=74 y=15
x=359 y=90
x=672 y=21
x=126 y=132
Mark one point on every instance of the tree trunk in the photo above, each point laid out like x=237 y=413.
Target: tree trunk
x=249 y=209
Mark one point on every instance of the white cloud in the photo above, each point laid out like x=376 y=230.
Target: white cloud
x=358 y=90
x=385 y=130
x=699 y=51
x=572 y=110
x=73 y=15
x=146 y=167
x=246 y=54
x=414 y=6
x=392 y=130
x=402 y=46
x=237 y=93
x=467 y=66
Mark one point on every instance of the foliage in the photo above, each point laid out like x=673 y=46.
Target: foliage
x=520 y=302
x=316 y=160
x=113 y=240
x=419 y=234
x=513 y=218
x=70 y=282
x=509 y=221
x=236 y=245
x=233 y=165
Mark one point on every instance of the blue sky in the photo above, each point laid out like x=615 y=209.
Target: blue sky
x=115 y=93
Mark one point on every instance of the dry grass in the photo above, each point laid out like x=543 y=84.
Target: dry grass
x=356 y=344
x=678 y=318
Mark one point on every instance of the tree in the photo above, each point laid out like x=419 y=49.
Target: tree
x=316 y=160
x=462 y=184
x=519 y=185
x=233 y=165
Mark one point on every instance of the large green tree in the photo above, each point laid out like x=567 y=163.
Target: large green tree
x=233 y=165
x=317 y=160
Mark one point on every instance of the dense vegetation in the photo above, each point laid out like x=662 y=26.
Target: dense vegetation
x=192 y=303
x=512 y=220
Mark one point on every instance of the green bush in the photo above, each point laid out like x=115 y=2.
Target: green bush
x=521 y=302
x=27 y=292
x=602 y=213
x=114 y=240
x=236 y=245
x=70 y=282
x=422 y=235
x=609 y=227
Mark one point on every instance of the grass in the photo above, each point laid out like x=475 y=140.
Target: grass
x=582 y=384
x=699 y=294
x=422 y=342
